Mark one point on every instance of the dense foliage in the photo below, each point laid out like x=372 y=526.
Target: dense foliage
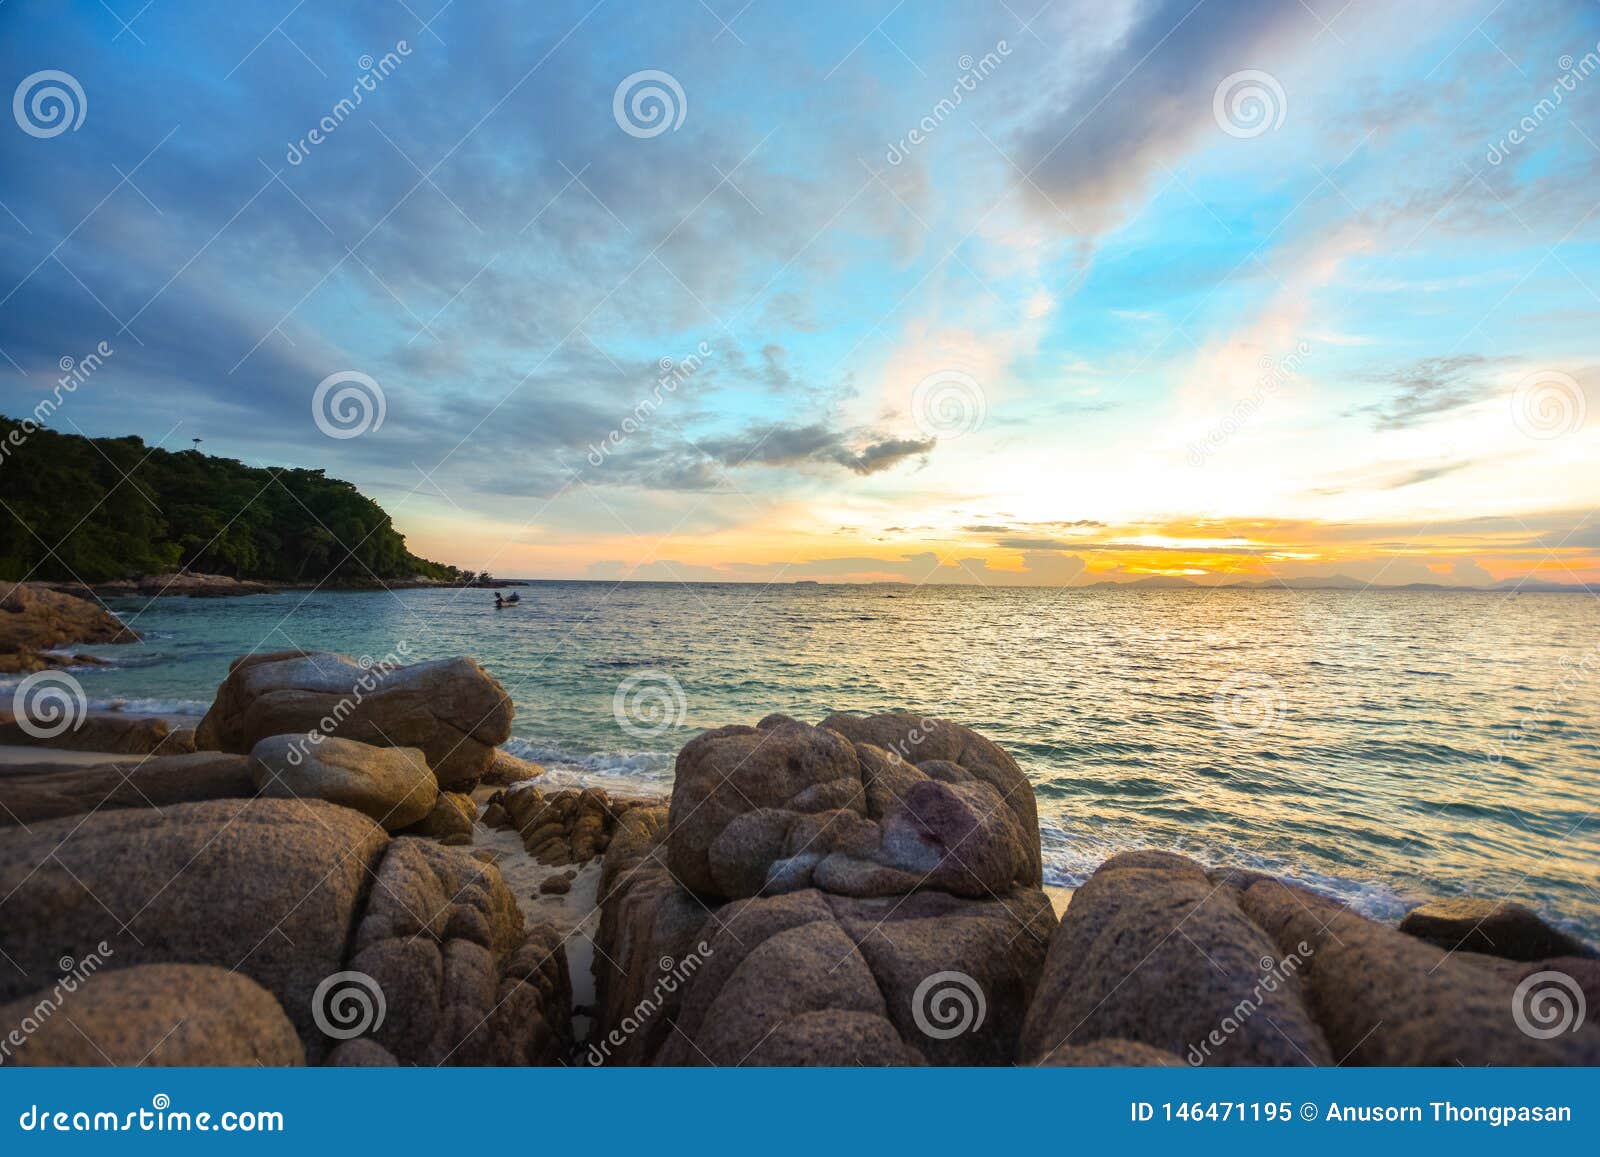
x=106 y=508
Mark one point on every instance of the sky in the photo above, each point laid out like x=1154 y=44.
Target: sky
x=724 y=290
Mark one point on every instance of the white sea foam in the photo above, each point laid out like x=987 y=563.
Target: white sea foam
x=637 y=769
x=1069 y=861
x=148 y=706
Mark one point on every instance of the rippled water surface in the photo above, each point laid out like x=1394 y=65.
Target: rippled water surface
x=1382 y=745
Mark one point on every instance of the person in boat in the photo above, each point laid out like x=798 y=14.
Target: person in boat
x=498 y=601
x=514 y=597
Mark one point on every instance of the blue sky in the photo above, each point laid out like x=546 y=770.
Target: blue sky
x=1096 y=321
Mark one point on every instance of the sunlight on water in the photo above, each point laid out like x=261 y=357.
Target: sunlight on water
x=1369 y=744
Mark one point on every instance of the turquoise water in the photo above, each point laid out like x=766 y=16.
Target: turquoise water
x=1360 y=742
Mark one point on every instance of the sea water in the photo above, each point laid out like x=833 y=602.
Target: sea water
x=1384 y=746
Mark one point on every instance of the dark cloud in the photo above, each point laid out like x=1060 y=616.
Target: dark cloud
x=876 y=456
x=815 y=443
x=517 y=300
x=1428 y=388
x=1142 y=105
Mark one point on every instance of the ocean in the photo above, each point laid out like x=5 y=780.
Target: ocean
x=1384 y=746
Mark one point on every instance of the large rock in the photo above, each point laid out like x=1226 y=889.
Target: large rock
x=150 y=783
x=175 y=583
x=781 y=983
x=451 y=708
x=270 y=888
x=572 y=826
x=35 y=619
x=784 y=806
x=646 y=921
x=1494 y=927
x=507 y=769
x=1151 y=951
x=114 y=732
x=360 y=1053
x=920 y=740
x=1385 y=998
x=153 y=1014
x=805 y=977
x=451 y=820
x=442 y=949
x=391 y=784
x=1112 y=1053
x=986 y=954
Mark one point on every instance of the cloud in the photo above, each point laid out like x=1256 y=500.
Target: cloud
x=921 y=568
x=1146 y=102
x=1429 y=388
x=882 y=455
x=1388 y=478
x=1055 y=544
x=815 y=443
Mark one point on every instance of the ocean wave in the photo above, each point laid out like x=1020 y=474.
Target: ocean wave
x=652 y=661
x=100 y=658
x=142 y=706
x=1069 y=861
x=651 y=767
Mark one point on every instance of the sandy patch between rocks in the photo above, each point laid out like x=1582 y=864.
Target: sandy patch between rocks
x=575 y=914
x=36 y=758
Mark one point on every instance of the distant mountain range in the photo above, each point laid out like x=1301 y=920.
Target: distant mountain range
x=1340 y=582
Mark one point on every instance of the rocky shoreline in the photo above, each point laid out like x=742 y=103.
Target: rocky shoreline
x=340 y=866
x=36 y=622
x=215 y=586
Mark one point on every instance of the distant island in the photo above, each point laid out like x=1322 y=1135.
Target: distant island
x=128 y=511
x=1338 y=582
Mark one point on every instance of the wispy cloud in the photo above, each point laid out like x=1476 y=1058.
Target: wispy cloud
x=1430 y=388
